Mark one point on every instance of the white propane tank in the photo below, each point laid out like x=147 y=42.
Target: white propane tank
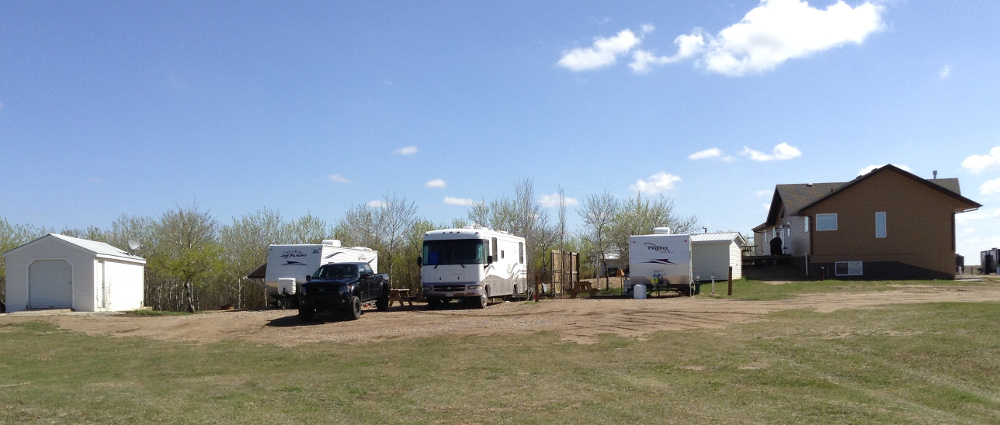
x=286 y=285
x=639 y=291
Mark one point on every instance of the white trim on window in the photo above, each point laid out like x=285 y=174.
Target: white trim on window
x=848 y=268
x=880 y=224
x=826 y=222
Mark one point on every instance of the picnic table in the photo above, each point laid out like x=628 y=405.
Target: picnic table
x=399 y=295
x=580 y=287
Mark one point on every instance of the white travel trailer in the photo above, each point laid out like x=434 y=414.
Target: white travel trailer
x=288 y=265
x=472 y=264
x=661 y=261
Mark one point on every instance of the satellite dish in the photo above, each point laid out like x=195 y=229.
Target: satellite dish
x=134 y=245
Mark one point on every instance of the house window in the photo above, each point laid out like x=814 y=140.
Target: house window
x=826 y=222
x=807 y=224
x=847 y=268
x=880 y=224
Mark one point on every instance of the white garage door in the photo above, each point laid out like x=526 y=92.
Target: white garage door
x=50 y=284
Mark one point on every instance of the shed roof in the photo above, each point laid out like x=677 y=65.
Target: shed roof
x=100 y=249
x=727 y=237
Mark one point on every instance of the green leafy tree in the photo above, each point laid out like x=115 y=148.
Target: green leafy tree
x=187 y=251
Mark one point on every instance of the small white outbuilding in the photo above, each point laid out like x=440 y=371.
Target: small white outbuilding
x=712 y=254
x=57 y=271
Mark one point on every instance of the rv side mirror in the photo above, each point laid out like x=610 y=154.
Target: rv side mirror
x=489 y=259
x=308 y=277
x=420 y=260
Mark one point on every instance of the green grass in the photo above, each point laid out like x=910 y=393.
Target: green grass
x=923 y=363
x=756 y=290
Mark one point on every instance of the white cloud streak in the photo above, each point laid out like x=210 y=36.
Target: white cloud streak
x=462 y=202
x=553 y=201
x=409 y=150
x=340 y=179
x=436 y=183
x=945 y=72
x=706 y=154
x=781 y=152
x=768 y=35
x=991 y=187
x=976 y=164
x=657 y=183
x=604 y=52
x=377 y=204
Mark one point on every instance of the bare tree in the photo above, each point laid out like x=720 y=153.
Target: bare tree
x=598 y=213
x=638 y=216
x=244 y=246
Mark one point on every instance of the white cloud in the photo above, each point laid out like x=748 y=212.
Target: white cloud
x=604 y=52
x=377 y=204
x=459 y=201
x=436 y=183
x=763 y=193
x=945 y=72
x=991 y=187
x=976 y=164
x=781 y=152
x=706 y=154
x=769 y=34
x=553 y=200
x=778 y=30
x=980 y=214
x=340 y=179
x=869 y=168
x=688 y=45
x=409 y=150
x=657 y=183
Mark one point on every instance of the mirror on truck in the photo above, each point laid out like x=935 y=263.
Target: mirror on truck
x=308 y=277
x=489 y=259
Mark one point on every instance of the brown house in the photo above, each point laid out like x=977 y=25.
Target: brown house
x=887 y=224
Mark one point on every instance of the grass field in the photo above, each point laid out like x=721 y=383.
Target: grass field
x=923 y=363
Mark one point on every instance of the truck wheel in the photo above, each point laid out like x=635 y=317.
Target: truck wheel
x=433 y=302
x=306 y=314
x=382 y=304
x=353 y=308
x=481 y=302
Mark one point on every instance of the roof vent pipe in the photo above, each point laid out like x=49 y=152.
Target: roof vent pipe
x=935 y=174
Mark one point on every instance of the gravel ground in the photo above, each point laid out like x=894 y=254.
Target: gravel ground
x=578 y=320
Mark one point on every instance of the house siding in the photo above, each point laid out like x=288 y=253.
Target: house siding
x=919 y=227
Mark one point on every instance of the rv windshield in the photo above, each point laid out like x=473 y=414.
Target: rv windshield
x=461 y=251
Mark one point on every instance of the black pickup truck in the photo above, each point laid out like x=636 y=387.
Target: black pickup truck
x=345 y=288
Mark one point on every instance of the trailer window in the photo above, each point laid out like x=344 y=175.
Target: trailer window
x=461 y=251
x=520 y=252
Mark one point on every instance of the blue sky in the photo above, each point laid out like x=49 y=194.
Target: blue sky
x=111 y=108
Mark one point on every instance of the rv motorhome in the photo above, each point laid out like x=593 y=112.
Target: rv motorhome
x=472 y=264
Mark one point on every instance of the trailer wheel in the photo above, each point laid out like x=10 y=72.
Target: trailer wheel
x=354 y=308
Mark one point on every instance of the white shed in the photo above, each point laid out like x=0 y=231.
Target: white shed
x=712 y=254
x=57 y=271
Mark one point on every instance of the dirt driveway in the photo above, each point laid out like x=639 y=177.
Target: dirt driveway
x=579 y=320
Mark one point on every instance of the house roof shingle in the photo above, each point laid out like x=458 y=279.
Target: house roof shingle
x=797 y=197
